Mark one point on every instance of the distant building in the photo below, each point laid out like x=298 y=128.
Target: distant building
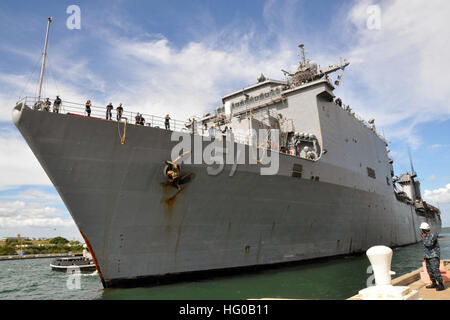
x=16 y=238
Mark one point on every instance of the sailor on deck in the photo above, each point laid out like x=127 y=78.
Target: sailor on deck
x=167 y=122
x=47 y=104
x=140 y=119
x=109 y=108
x=432 y=256
x=88 y=108
x=119 y=112
x=56 y=104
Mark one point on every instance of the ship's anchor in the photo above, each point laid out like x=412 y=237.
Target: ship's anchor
x=173 y=172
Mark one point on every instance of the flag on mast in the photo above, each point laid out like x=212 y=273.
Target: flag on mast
x=339 y=77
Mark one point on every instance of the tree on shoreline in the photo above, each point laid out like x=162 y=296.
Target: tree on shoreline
x=54 y=245
x=7 y=250
x=59 y=241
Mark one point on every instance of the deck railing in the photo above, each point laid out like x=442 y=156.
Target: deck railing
x=100 y=112
x=68 y=107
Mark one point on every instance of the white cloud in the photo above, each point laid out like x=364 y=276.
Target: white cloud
x=20 y=214
x=404 y=66
x=440 y=195
x=35 y=213
x=438 y=146
x=7 y=103
x=191 y=80
x=37 y=195
x=31 y=195
x=152 y=75
x=18 y=165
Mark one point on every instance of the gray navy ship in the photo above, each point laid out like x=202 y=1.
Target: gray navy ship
x=149 y=216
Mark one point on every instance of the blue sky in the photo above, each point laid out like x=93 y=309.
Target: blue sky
x=141 y=52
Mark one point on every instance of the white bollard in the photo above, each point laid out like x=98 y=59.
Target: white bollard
x=380 y=258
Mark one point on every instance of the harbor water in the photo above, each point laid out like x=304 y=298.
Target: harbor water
x=334 y=278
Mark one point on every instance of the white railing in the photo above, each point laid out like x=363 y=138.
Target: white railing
x=68 y=107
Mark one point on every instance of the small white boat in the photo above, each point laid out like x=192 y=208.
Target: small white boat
x=82 y=263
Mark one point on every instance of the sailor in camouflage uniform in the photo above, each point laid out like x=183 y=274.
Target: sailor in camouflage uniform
x=432 y=256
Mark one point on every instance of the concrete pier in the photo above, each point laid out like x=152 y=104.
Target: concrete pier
x=413 y=281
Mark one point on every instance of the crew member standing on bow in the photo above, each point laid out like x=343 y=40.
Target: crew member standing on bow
x=109 y=108
x=47 y=104
x=432 y=256
x=119 y=112
x=88 y=108
x=167 y=122
x=57 y=104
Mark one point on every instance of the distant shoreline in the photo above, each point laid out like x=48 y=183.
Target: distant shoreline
x=38 y=256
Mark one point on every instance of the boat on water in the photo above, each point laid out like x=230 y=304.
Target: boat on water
x=73 y=263
x=82 y=263
x=307 y=178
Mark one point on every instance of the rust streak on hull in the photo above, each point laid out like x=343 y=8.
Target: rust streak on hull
x=94 y=258
x=169 y=198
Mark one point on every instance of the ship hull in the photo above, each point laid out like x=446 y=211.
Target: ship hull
x=140 y=228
